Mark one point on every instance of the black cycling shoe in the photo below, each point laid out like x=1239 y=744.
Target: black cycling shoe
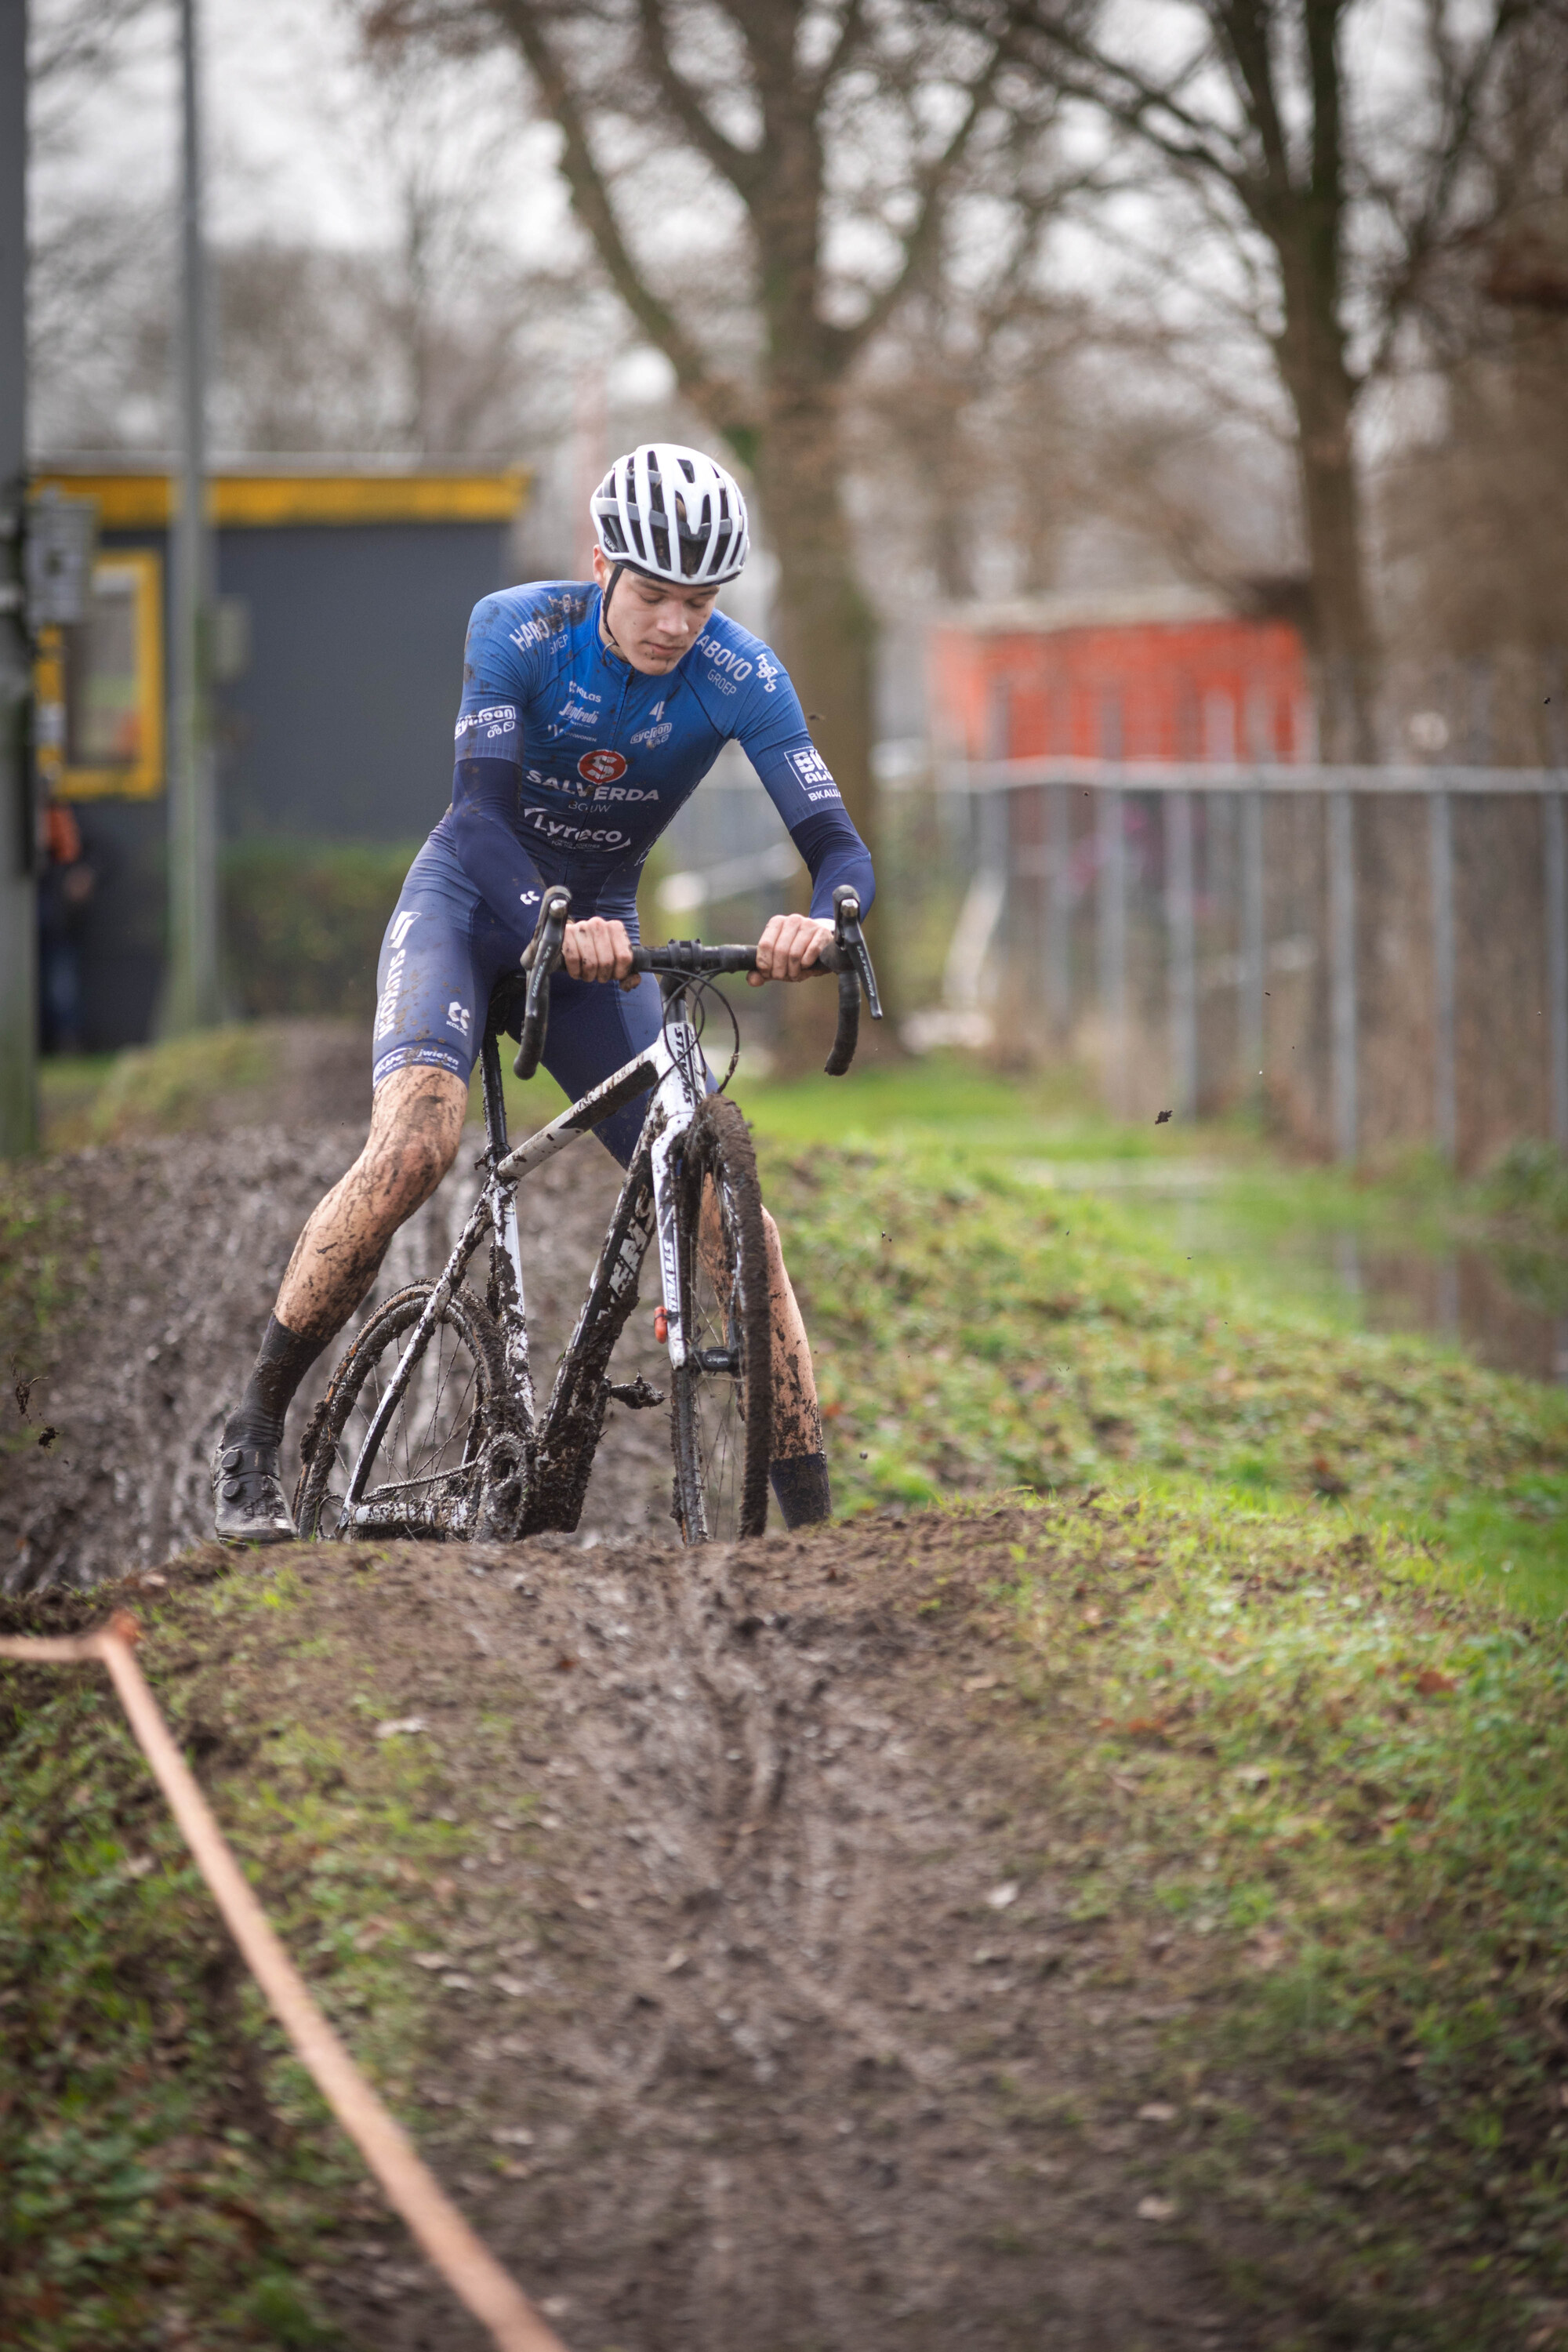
x=248 y=1501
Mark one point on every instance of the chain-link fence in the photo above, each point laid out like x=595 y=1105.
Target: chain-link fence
x=1379 y=956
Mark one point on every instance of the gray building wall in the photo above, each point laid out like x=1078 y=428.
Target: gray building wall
x=339 y=728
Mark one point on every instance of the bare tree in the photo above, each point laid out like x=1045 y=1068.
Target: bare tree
x=1334 y=207
x=1479 y=604
x=821 y=147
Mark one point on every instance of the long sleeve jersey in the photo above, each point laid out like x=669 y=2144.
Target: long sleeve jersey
x=570 y=764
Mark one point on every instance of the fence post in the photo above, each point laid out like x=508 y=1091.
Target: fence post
x=1445 y=1110
x=1182 y=953
x=1059 y=933
x=1556 y=863
x=1113 y=923
x=1343 y=970
x=1251 y=1024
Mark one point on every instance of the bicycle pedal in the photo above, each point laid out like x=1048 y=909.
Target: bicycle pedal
x=636 y=1393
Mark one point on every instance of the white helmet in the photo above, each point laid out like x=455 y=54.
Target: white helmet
x=632 y=507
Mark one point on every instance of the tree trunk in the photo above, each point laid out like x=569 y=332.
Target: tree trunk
x=1342 y=643
x=824 y=626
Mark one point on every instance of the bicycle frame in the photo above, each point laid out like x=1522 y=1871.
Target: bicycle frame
x=672 y=1066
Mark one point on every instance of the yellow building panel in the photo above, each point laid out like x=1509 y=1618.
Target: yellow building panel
x=99 y=733
x=271 y=501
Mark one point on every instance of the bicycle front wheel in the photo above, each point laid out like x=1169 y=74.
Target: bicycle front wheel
x=429 y=1469
x=722 y=1405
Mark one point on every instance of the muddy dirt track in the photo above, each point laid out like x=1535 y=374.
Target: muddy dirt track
x=188 y=1236
x=760 y=1986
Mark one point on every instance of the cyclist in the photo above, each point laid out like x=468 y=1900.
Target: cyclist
x=590 y=711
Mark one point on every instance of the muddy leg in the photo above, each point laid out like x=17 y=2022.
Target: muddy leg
x=415 y=1126
x=797 y=1417
x=798 y=1474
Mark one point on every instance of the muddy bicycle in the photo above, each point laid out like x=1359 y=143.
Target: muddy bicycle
x=430 y=1428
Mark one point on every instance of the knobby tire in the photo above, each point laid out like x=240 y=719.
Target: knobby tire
x=721 y=1422
x=452 y=1452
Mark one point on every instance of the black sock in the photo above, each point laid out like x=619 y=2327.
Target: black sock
x=282 y=1364
x=800 y=1488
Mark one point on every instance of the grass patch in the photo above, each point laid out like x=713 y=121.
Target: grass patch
x=153 y=2127
x=44 y=1271
x=159 y=1089
x=1331 y=1800
x=972 y=1332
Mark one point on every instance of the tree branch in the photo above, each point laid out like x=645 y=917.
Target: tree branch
x=916 y=242
x=1129 y=99
x=1422 y=235
x=740 y=166
x=719 y=398
x=818 y=85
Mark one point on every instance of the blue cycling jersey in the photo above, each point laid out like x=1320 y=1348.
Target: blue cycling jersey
x=570 y=764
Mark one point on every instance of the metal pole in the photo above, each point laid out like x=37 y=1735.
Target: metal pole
x=1556 y=862
x=1445 y=1114
x=1183 y=951
x=1113 y=923
x=1058 y=931
x=192 y=1000
x=1341 y=970
x=19 y=906
x=1251 y=1024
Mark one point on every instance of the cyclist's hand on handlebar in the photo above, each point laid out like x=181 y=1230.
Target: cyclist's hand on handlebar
x=789 y=947
x=598 y=950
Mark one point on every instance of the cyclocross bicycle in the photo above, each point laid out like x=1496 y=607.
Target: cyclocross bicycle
x=430 y=1428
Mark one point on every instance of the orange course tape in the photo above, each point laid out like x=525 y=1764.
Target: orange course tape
x=467 y=2264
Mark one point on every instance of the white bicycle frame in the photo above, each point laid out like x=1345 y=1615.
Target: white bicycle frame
x=674 y=1068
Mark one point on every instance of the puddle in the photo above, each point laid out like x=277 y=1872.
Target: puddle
x=1508 y=1309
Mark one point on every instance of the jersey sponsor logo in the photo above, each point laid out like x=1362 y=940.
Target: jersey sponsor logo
x=813 y=770
x=724 y=685
x=602 y=767
x=768 y=671
x=403 y=924
x=459 y=1017
x=649 y=739
x=574 y=712
x=537 y=633
x=485 y=727
x=725 y=657
x=581 y=836
x=575 y=789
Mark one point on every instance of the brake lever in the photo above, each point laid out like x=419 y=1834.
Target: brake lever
x=540 y=960
x=853 y=963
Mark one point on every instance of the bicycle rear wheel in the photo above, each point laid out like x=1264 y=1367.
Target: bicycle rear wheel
x=722 y=1406
x=436 y=1460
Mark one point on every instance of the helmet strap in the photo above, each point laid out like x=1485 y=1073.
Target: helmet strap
x=611 y=584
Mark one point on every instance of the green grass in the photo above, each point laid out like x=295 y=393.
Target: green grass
x=1333 y=1799
x=973 y=1332
x=153 y=2126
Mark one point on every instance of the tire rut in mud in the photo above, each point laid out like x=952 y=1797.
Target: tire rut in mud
x=186 y=1238
x=786 y=2072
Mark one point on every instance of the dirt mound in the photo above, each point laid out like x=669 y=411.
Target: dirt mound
x=180 y=1243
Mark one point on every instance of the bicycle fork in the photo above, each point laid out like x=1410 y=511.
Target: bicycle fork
x=679 y=1096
